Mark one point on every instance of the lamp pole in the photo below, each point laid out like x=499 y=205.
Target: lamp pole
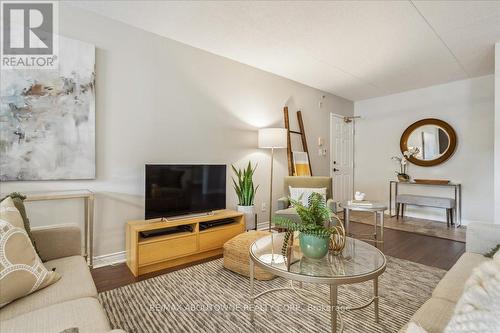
x=271 y=190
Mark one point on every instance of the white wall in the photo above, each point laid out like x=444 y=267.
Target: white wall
x=467 y=106
x=497 y=133
x=164 y=102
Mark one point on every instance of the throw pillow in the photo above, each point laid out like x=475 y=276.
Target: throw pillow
x=478 y=309
x=18 y=200
x=302 y=194
x=21 y=270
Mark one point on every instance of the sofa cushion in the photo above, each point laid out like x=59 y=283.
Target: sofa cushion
x=21 y=270
x=434 y=315
x=18 y=200
x=452 y=285
x=85 y=313
x=75 y=282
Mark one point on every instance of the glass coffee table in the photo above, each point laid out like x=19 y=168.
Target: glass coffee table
x=358 y=263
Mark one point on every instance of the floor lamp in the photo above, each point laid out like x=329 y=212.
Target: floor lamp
x=272 y=138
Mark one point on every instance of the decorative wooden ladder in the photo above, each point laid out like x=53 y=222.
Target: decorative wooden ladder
x=302 y=134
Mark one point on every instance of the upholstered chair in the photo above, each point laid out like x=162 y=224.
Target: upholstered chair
x=284 y=208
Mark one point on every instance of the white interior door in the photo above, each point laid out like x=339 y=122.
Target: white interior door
x=342 y=157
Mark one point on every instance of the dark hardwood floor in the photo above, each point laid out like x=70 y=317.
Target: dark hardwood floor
x=427 y=250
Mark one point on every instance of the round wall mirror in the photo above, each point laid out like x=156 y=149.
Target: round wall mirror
x=434 y=139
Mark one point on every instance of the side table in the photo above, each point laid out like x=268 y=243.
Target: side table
x=378 y=210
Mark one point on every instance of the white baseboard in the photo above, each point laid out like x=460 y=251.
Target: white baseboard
x=263 y=225
x=110 y=259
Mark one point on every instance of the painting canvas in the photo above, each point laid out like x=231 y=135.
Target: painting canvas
x=47 y=118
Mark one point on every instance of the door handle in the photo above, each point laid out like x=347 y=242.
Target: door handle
x=334 y=169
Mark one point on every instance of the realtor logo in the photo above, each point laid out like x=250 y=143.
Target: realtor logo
x=29 y=38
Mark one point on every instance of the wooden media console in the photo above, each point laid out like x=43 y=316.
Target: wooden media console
x=197 y=239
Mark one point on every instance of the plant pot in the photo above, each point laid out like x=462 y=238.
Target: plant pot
x=249 y=212
x=403 y=177
x=313 y=247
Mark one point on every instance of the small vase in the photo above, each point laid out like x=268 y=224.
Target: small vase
x=249 y=212
x=313 y=247
x=402 y=177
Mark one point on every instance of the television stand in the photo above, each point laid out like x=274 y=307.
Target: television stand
x=152 y=247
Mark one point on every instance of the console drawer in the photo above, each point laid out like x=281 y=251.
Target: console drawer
x=214 y=239
x=167 y=249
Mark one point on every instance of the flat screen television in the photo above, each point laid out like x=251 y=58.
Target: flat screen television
x=181 y=189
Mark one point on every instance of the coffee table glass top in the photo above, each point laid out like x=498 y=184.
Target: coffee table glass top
x=357 y=259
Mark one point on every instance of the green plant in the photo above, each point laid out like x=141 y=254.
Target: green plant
x=314 y=218
x=244 y=187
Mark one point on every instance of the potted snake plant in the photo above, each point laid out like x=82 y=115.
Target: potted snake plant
x=317 y=233
x=245 y=190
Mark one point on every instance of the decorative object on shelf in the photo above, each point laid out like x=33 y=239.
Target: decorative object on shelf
x=51 y=116
x=403 y=164
x=338 y=238
x=316 y=228
x=273 y=138
x=359 y=196
x=360 y=203
x=435 y=140
x=245 y=190
x=402 y=177
x=432 y=181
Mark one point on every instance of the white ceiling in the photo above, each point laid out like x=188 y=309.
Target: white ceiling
x=354 y=49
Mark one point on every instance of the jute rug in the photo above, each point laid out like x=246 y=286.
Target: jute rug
x=209 y=298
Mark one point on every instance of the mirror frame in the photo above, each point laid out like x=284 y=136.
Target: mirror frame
x=403 y=143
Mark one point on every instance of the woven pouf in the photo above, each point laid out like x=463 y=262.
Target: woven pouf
x=236 y=256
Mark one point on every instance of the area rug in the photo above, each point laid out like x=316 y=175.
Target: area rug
x=209 y=298
x=415 y=225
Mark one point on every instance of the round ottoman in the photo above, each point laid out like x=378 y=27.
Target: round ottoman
x=236 y=256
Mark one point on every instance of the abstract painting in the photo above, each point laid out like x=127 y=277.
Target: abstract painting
x=47 y=118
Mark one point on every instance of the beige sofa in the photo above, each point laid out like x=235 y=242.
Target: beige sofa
x=70 y=302
x=435 y=314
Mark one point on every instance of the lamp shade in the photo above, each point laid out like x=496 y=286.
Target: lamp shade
x=272 y=138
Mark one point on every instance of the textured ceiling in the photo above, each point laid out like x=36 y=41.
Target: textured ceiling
x=354 y=49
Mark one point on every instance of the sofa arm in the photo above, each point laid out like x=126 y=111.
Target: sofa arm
x=482 y=237
x=283 y=203
x=58 y=241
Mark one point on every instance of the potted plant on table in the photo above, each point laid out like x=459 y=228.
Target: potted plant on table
x=317 y=232
x=245 y=190
x=403 y=163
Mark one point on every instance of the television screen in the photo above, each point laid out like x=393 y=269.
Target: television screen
x=173 y=190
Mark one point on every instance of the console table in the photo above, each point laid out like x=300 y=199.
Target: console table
x=88 y=200
x=457 y=195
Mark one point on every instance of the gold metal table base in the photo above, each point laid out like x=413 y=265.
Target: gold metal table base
x=335 y=311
